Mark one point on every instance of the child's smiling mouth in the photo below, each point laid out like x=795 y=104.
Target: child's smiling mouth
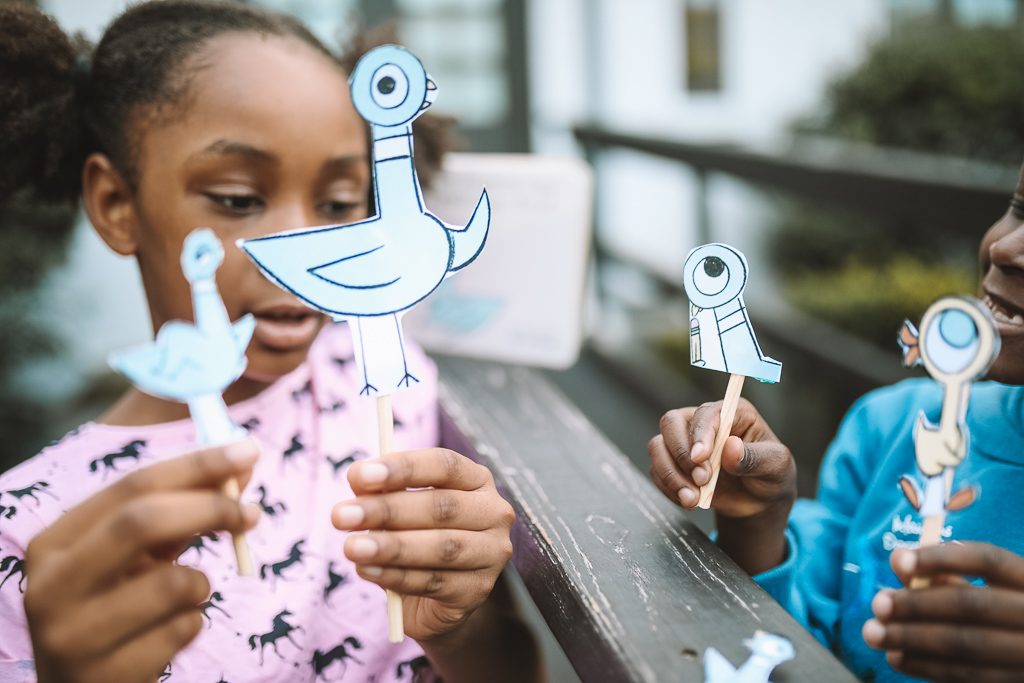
x=1006 y=315
x=286 y=327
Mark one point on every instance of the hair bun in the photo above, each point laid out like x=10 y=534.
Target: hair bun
x=41 y=128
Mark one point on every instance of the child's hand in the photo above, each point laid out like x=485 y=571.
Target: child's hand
x=758 y=473
x=953 y=631
x=104 y=601
x=442 y=547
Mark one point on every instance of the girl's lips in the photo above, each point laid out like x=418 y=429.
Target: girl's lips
x=287 y=328
x=1008 y=319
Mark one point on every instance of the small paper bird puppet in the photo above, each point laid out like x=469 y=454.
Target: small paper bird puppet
x=767 y=652
x=721 y=336
x=371 y=272
x=957 y=344
x=195 y=363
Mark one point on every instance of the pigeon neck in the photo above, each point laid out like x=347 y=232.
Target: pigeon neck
x=213 y=425
x=208 y=308
x=397 y=188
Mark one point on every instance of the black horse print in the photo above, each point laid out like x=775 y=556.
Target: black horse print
x=269 y=509
x=305 y=390
x=166 y=674
x=338 y=465
x=334 y=582
x=211 y=604
x=198 y=544
x=280 y=629
x=333 y=407
x=7 y=511
x=251 y=424
x=343 y=362
x=340 y=654
x=414 y=666
x=31 y=491
x=294 y=449
x=277 y=568
x=13 y=564
x=130 y=451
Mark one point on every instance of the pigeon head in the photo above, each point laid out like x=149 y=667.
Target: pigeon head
x=714 y=275
x=201 y=255
x=390 y=87
x=770 y=646
x=958 y=339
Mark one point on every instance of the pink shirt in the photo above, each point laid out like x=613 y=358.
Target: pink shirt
x=306 y=615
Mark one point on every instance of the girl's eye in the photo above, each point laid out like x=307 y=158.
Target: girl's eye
x=237 y=203
x=342 y=208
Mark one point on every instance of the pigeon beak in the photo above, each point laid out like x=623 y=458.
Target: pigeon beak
x=431 y=93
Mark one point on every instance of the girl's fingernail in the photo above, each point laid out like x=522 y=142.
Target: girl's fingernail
x=250 y=513
x=244 y=452
x=371 y=570
x=350 y=515
x=873 y=632
x=687 y=497
x=700 y=475
x=362 y=548
x=906 y=561
x=895 y=658
x=373 y=472
x=882 y=605
x=697 y=450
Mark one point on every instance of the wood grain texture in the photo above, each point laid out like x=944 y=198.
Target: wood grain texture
x=631 y=590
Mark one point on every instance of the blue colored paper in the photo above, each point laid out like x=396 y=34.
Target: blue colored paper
x=721 y=335
x=371 y=272
x=767 y=652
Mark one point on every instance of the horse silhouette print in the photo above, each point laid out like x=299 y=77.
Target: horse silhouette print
x=340 y=654
x=295 y=556
x=338 y=465
x=13 y=565
x=198 y=544
x=334 y=582
x=269 y=509
x=7 y=511
x=280 y=629
x=371 y=272
x=211 y=604
x=413 y=666
x=130 y=451
x=31 y=491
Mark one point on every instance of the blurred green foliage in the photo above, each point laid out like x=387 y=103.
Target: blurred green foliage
x=33 y=239
x=934 y=87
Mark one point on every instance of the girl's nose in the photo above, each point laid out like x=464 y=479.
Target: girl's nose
x=1008 y=250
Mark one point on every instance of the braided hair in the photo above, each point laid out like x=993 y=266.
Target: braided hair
x=61 y=99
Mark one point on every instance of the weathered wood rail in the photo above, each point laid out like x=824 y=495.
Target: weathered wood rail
x=631 y=590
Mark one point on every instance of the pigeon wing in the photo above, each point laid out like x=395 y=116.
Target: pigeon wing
x=372 y=268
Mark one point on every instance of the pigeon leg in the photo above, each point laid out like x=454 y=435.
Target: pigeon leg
x=360 y=351
x=407 y=377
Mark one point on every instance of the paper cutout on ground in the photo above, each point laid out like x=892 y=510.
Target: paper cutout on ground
x=371 y=272
x=721 y=336
x=767 y=652
x=957 y=344
x=195 y=363
x=527 y=289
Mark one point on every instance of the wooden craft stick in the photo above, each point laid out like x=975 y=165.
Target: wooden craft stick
x=386 y=432
x=931 y=534
x=732 y=399
x=243 y=558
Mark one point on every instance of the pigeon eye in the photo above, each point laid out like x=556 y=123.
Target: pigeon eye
x=712 y=276
x=389 y=86
x=714 y=266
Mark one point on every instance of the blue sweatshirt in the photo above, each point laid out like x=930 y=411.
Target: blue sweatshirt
x=839 y=543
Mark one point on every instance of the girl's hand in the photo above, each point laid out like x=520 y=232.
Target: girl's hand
x=442 y=547
x=104 y=600
x=953 y=631
x=758 y=473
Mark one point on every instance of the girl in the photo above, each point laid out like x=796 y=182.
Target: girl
x=194 y=113
x=831 y=563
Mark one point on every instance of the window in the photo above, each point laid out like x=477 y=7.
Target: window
x=703 y=49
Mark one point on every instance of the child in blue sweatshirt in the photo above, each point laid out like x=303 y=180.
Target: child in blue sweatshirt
x=841 y=563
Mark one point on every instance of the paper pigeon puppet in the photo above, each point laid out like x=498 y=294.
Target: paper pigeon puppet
x=721 y=336
x=371 y=272
x=767 y=652
x=195 y=363
x=957 y=344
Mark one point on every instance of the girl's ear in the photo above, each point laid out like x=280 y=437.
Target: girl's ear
x=108 y=201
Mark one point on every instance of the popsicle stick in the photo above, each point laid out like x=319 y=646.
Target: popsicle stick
x=732 y=399
x=931 y=534
x=386 y=432
x=243 y=558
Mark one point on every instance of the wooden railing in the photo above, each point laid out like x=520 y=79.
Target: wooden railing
x=631 y=590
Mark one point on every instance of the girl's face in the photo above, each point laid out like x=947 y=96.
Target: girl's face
x=1002 y=289
x=267 y=140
